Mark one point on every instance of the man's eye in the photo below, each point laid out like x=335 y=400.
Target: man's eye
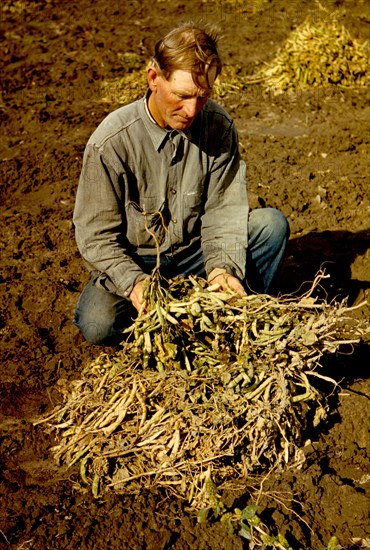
x=199 y=98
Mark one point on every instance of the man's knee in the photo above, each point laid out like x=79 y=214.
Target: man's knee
x=279 y=225
x=95 y=332
x=270 y=223
x=100 y=315
x=275 y=222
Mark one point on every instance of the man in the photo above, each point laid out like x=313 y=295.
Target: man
x=163 y=177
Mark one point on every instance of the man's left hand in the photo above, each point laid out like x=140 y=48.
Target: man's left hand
x=227 y=282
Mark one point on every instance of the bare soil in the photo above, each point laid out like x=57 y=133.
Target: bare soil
x=307 y=154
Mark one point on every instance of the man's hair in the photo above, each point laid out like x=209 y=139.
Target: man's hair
x=188 y=48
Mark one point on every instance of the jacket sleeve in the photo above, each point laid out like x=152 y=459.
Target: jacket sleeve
x=225 y=218
x=100 y=223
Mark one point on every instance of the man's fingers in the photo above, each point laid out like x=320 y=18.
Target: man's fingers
x=227 y=281
x=236 y=285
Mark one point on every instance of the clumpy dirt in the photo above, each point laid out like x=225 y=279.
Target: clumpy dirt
x=307 y=154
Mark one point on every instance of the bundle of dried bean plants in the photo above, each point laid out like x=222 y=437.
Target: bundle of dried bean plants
x=207 y=382
x=318 y=53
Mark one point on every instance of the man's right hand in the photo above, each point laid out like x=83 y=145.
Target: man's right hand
x=137 y=295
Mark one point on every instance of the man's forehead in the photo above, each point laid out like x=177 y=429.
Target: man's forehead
x=184 y=80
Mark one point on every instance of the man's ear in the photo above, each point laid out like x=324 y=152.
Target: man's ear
x=152 y=75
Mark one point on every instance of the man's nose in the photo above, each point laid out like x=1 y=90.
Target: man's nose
x=190 y=107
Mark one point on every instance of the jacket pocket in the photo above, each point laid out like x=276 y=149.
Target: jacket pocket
x=147 y=222
x=192 y=211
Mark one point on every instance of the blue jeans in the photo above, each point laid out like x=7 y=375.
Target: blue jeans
x=101 y=315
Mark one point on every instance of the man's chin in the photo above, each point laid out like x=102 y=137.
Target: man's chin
x=181 y=124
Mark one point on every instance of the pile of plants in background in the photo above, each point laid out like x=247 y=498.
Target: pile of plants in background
x=318 y=54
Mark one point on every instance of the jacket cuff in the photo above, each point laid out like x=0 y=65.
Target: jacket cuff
x=125 y=293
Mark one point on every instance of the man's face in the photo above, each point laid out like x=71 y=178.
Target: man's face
x=177 y=101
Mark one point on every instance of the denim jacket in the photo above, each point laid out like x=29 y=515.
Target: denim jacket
x=144 y=188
